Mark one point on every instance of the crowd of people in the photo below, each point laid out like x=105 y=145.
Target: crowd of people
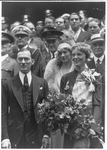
x=42 y=58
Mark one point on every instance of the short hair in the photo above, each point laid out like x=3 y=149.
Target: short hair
x=83 y=47
x=76 y=13
x=30 y=49
x=95 y=20
x=27 y=22
x=61 y=18
x=50 y=17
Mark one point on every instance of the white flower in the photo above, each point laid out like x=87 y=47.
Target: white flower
x=91 y=87
x=67 y=86
x=87 y=102
x=96 y=74
x=61 y=116
x=86 y=73
x=92 y=132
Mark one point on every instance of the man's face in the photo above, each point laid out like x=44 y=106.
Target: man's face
x=93 y=27
x=4 y=26
x=98 y=48
x=5 y=47
x=39 y=27
x=31 y=27
x=21 y=40
x=49 y=22
x=52 y=45
x=24 y=61
x=75 y=21
x=59 y=24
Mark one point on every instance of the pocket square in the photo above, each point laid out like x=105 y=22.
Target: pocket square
x=41 y=88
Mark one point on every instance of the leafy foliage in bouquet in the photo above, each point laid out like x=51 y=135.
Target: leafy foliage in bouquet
x=62 y=112
x=55 y=112
x=82 y=121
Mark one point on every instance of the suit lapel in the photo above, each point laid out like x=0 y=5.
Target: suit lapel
x=17 y=90
x=36 y=86
x=103 y=64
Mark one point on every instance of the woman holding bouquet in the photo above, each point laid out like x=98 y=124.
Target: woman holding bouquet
x=82 y=83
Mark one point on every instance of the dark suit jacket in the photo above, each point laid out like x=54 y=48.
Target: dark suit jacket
x=83 y=36
x=101 y=70
x=9 y=68
x=13 y=107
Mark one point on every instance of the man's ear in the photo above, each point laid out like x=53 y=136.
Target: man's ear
x=33 y=61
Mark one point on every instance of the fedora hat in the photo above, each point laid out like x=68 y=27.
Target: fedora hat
x=51 y=33
x=96 y=38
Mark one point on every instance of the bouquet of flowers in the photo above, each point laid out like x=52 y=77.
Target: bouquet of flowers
x=55 y=112
x=62 y=112
x=91 y=77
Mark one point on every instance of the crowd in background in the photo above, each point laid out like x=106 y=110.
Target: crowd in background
x=57 y=45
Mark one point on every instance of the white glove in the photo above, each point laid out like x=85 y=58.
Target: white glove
x=6 y=143
x=45 y=142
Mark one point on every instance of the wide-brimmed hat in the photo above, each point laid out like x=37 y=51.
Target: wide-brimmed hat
x=7 y=36
x=21 y=29
x=96 y=38
x=51 y=33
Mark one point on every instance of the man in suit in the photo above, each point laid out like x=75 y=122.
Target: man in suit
x=79 y=34
x=9 y=66
x=98 y=63
x=20 y=96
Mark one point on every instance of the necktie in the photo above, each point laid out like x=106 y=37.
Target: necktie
x=26 y=85
x=98 y=62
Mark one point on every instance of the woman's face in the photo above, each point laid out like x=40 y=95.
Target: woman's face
x=64 y=55
x=78 y=57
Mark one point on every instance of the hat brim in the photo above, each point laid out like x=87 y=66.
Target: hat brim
x=97 y=40
x=21 y=33
x=9 y=36
x=52 y=33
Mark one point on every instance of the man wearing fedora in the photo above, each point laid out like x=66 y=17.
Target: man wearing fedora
x=98 y=63
x=9 y=66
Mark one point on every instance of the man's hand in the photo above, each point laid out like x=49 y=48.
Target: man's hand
x=46 y=142
x=6 y=143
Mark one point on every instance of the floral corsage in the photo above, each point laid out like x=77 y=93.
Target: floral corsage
x=90 y=76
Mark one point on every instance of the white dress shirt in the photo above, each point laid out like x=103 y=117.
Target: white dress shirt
x=100 y=58
x=29 y=76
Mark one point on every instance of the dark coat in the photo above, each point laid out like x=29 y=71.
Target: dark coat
x=96 y=101
x=101 y=69
x=83 y=36
x=13 y=107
